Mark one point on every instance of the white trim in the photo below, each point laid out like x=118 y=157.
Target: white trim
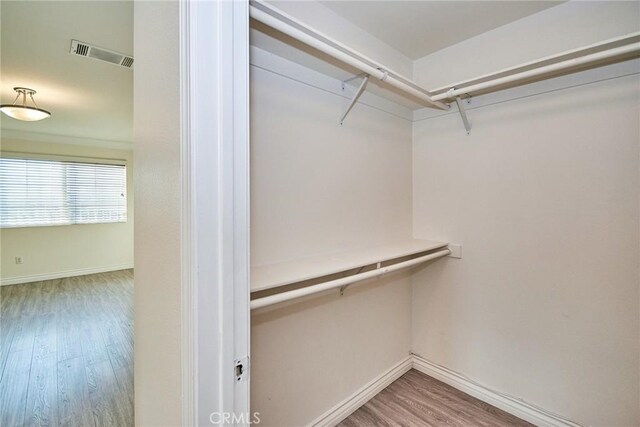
x=65 y=139
x=214 y=104
x=61 y=158
x=510 y=404
x=63 y=274
x=188 y=267
x=238 y=99
x=348 y=406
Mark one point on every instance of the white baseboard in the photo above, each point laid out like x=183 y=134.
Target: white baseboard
x=512 y=405
x=348 y=406
x=62 y=274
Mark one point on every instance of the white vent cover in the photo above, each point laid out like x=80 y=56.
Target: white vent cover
x=90 y=51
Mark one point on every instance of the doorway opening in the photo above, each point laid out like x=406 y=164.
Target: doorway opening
x=66 y=215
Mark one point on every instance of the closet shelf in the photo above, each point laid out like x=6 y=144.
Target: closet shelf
x=603 y=53
x=271 y=16
x=271 y=276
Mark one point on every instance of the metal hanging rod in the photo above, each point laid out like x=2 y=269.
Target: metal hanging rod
x=339 y=283
x=271 y=16
x=625 y=47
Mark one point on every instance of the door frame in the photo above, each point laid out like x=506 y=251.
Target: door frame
x=214 y=105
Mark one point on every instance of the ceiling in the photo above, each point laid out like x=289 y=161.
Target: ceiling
x=87 y=98
x=418 y=28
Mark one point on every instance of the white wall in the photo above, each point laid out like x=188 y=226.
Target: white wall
x=544 y=197
x=157 y=233
x=319 y=187
x=72 y=249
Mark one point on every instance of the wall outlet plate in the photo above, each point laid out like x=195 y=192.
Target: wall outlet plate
x=19 y=260
x=456 y=251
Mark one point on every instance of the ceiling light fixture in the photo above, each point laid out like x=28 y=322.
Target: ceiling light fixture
x=24 y=112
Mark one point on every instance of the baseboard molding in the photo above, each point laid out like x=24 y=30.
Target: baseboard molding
x=62 y=274
x=512 y=405
x=349 y=405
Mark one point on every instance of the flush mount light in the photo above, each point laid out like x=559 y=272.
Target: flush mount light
x=24 y=112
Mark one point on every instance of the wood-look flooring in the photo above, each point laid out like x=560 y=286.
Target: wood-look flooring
x=67 y=352
x=416 y=399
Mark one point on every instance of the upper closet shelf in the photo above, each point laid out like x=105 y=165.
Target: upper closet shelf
x=275 y=18
x=285 y=273
x=595 y=55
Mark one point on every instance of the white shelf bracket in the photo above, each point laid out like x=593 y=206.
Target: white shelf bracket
x=456 y=251
x=463 y=112
x=356 y=95
x=357 y=76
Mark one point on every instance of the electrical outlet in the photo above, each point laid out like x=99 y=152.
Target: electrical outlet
x=18 y=260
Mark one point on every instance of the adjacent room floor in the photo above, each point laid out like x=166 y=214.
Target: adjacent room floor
x=67 y=351
x=416 y=399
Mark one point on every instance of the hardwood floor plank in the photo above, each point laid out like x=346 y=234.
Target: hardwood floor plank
x=7 y=331
x=15 y=296
x=104 y=394
x=47 y=299
x=5 y=292
x=468 y=408
x=74 y=408
x=124 y=376
x=94 y=349
x=415 y=399
x=55 y=366
x=437 y=403
x=24 y=334
x=69 y=346
x=120 y=349
x=45 y=324
x=14 y=387
x=42 y=396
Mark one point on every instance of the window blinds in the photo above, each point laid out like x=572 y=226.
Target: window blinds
x=37 y=192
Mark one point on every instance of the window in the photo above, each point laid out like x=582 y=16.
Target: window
x=39 y=192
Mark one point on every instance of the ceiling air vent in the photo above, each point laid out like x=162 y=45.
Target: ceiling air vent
x=95 y=52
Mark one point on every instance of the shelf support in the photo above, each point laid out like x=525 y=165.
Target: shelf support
x=357 y=76
x=356 y=96
x=463 y=112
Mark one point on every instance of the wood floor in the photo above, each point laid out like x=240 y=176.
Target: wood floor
x=67 y=352
x=416 y=399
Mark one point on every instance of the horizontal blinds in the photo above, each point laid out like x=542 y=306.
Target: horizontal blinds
x=36 y=192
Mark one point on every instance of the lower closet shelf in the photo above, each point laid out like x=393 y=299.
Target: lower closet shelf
x=275 y=283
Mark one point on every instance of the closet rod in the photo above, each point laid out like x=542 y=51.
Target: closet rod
x=338 y=283
x=614 y=52
x=284 y=23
